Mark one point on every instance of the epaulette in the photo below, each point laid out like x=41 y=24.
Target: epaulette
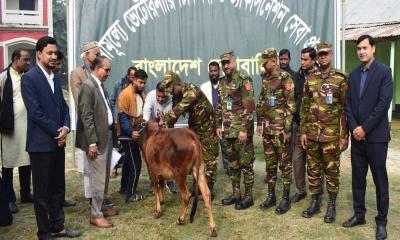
x=285 y=75
x=340 y=72
x=243 y=76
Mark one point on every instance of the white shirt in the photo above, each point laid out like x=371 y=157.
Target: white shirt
x=49 y=77
x=152 y=107
x=139 y=105
x=109 y=112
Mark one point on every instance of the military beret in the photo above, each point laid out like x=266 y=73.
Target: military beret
x=89 y=45
x=169 y=78
x=324 y=47
x=266 y=55
x=227 y=55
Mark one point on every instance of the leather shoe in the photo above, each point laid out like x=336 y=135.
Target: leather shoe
x=230 y=200
x=69 y=203
x=110 y=212
x=297 y=197
x=354 y=221
x=101 y=222
x=381 y=232
x=67 y=233
x=13 y=207
x=244 y=204
x=27 y=198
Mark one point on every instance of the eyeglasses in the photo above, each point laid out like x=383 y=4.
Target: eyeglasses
x=106 y=69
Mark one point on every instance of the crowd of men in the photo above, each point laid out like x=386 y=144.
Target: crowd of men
x=305 y=119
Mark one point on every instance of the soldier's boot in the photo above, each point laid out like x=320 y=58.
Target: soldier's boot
x=330 y=215
x=284 y=205
x=247 y=200
x=315 y=206
x=211 y=188
x=235 y=197
x=271 y=199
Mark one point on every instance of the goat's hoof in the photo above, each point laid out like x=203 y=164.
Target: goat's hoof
x=157 y=215
x=213 y=232
x=180 y=221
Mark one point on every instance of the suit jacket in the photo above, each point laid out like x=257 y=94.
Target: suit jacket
x=92 y=126
x=47 y=111
x=206 y=88
x=370 y=110
x=76 y=78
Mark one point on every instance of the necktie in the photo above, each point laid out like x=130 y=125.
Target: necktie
x=106 y=95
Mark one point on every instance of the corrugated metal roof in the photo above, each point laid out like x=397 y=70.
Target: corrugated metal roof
x=371 y=12
x=381 y=31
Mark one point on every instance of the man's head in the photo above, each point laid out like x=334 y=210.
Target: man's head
x=90 y=51
x=140 y=80
x=213 y=72
x=324 y=54
x=228 y=62
x=284 y=59
x=172 y=83
x=46 y=51
x=365 y=49
x=161 y=94
x=101 y=68
x=20 y=60
x=131 y=73
x=308 y=58
x=60 y=57
x=268 y=59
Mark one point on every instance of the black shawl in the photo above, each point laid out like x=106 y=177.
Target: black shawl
x=7 y=107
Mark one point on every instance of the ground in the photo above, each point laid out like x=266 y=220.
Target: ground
x=136 y=220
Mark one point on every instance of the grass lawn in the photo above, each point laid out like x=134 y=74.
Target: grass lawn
x=136 y=220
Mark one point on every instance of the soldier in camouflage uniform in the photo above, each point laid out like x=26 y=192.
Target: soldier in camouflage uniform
x=324 y=132
x=274 y=109
x=234 y=117
x=189 y=99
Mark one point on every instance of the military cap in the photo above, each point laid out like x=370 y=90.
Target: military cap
x=227 y=55
x=266 y=55
x=89 y=45
x=324 y=47
x=169 y=78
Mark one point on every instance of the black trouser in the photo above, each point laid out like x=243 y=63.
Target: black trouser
x=374 y=155
x=48 y=175
x=24 y=182
x=124 y=175
x=132 y=165
x=5 y=214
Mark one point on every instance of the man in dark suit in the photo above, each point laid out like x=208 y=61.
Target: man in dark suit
x=94 y=135
x=48 y=126
x=370 y=90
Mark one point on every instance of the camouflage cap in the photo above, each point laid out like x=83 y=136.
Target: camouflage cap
x=324 y=47
x=266 y=55
x=227 y=55
x=89 y=45
x=169 y=78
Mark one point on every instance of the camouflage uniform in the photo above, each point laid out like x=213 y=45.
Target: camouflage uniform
x=275 y=107
x=235 y=113
x=323 y=120
x=201 y=121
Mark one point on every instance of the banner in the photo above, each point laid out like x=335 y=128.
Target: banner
x=185 y=35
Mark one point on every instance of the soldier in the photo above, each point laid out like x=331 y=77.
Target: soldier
x=275 y=107
x=324 y=132
x=189 y=99
x=234 y=116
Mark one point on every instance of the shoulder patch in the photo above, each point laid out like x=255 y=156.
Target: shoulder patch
x=243 y=75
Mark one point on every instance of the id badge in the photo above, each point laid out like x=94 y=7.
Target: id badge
x=229 y=104
x=271 y=101
x=329 y=98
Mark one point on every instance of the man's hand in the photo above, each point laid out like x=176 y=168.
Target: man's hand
x=61 y=142
x=135 y=135
x=359 y=133
x=344 y=144
x=286 y=137
x=242 y=137
x=93 y=152
x=219 y=133
x=62 y=133
x=259 y=130
x=303 y=140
